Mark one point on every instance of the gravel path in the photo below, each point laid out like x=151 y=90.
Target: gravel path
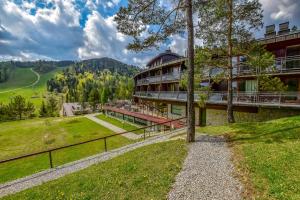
x=207 y=172
x=55 y=173
x=131 y=136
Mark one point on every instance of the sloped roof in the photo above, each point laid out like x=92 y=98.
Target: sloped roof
x=170 y=56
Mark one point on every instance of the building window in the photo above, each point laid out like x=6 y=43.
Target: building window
x=251 y=85
x=292 y=85
x=176 y=110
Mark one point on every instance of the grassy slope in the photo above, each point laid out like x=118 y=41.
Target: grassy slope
x=145 y=173
x=268 y=155
x=28 y=136
x=33 y=94
x=118 y=123
x=14 y=81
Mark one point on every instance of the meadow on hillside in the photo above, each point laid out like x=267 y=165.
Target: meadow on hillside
x=18 y=82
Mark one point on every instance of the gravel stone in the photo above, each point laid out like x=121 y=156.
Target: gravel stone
x=207 y=172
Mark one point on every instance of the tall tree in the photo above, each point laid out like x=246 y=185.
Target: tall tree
x=19 y=107
x=151 y=23
x=226 y=25
x=52 y=106
x=43 y=110
x=104 y=96
x=94 y=98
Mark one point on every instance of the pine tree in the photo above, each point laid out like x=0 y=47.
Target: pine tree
x=226 y=27
x=151 y=23
x=43 y=110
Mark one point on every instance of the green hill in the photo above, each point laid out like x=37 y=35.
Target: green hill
x=29 y=78
x=99 y=64
x=18 y=77
x=21 y=83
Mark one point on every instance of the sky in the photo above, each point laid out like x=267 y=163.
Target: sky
x=83 y=29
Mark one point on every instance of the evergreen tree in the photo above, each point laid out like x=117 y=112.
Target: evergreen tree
x=30 y=109
x=18 y=107
x=94 y=98
x=150 y=23
x=52 y=106
x=226 y=27
x=104 y=96
x=43 y=110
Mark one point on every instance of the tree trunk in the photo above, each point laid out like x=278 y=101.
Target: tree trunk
x=190 y=69
x=230 y=116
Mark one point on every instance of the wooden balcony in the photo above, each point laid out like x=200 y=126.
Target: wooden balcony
x=258 y=99
x=158 y=79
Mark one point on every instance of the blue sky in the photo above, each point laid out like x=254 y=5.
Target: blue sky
x=82 y=29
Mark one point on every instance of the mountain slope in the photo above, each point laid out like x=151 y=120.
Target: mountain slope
x=99 y=64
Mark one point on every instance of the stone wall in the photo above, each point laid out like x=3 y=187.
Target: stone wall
x=219 y=117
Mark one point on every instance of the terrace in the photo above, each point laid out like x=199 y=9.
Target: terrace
x=272 y=99
x=160 y=78
x=283 y=65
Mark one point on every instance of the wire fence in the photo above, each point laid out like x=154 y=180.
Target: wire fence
x=147 y=130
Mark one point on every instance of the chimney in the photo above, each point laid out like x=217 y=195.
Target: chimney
x=168 y=50
x=283 y=28
x=270 y=31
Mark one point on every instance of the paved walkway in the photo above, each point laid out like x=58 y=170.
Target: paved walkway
x=114 y=128
x=207 y=173
x=55 y=173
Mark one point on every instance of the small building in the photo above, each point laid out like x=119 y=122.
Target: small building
x=72 y=109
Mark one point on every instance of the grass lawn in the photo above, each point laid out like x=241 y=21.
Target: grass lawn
x=35 y=94
x=145 y=173
x=14 y=81
x=126 y=126
x=267 y=155
x=28 y=136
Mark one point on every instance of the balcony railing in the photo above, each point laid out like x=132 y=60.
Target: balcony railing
x=156 y=79
x=282 y=65
x=253 y=98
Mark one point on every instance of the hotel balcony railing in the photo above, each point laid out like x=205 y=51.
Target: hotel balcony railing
x=155 y=79
x=282 y=65
x=253 y=98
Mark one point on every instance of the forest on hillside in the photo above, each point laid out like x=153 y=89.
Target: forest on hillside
x=79 y=84
x=92 y=65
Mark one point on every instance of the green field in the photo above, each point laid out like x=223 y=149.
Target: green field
x=267 y=155
x=15 y=80
x=24 y=77
x=121 y=124
x=145 y=173
x=28 y=136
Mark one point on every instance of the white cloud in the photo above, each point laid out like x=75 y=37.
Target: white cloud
x=178 y=45
x=277 y=11
x=101 y=39
x=50 y=33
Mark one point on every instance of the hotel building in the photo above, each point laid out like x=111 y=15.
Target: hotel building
x=158 y=91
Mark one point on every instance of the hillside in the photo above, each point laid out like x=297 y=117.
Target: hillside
x=18 y=77
x=93 y=65
x=99 y=64
x=16 y=85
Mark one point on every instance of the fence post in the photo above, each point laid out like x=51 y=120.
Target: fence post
x=50 y=159
x=144 y=133
x=105 y=145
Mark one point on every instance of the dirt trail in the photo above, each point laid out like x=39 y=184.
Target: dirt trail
x=32 y=84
